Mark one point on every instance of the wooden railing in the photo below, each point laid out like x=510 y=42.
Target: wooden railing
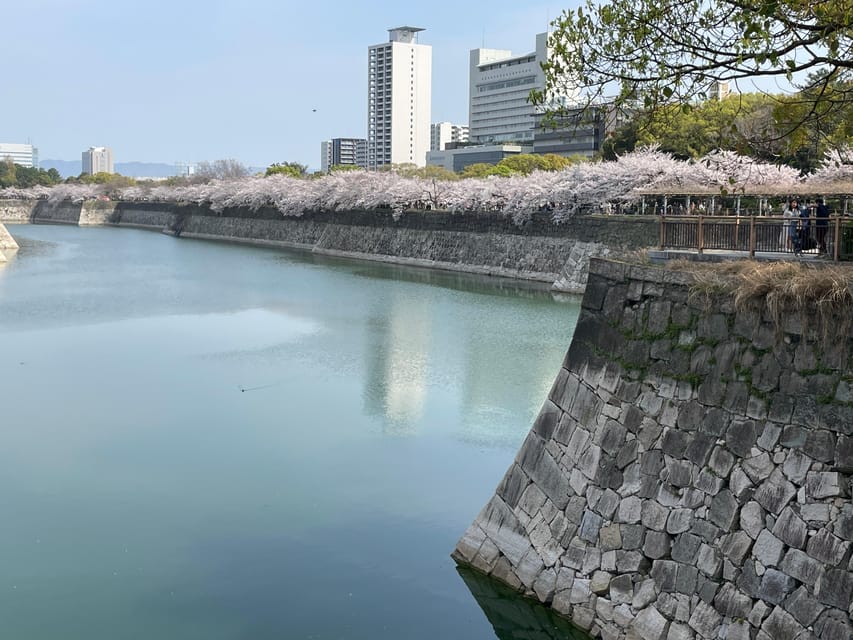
x=759 y=234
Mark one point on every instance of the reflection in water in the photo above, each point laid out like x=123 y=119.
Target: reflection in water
x=513 y=617
x=242 y=403
x=397 y=364
x=6 y=258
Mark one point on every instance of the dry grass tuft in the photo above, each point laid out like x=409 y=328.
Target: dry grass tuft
x=780 y=288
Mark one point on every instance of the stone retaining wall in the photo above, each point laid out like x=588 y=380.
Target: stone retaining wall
x=475 y=242
x=689 y=475
x=6 y=240
x=17 y=211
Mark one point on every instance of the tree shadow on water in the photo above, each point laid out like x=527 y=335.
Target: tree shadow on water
x=513 y=616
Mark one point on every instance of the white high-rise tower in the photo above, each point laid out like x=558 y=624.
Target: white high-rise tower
x=399 y=92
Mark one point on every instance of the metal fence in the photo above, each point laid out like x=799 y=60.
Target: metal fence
x=832 y=238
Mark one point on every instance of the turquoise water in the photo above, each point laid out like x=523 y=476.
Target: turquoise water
x=203 y=440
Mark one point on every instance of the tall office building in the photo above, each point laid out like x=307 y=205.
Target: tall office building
x=25 y=155
x=98 y=160
x=443 y=132
x=500 y=83
x=343 y=151
x=399 y=92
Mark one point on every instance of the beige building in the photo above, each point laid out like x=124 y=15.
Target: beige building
x=399 y=94
x=98 y=160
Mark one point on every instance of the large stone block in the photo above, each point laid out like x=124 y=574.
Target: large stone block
x=768 y=549
x=686 y=548
x=781 y=624
x=657 y=545
x=731 y=603
x=775 y=586
x=803 y=607
x=835 y=588
x=705 y=620
x=752 y=519
x=735 y=546
x=724 y=510
x=790 y=529
x=650 y=624
x=801 y=567
x=590 y=526
x=741 y=437
x=834 y=625
x=821 y=485
x=827 y=548
x=775 y=493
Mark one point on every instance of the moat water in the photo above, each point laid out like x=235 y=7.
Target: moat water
x=210 y=441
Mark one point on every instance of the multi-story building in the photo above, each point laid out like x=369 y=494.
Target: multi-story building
x=576 y=131
x=399 y=92
x=499 y=86
x=343 y=151
x=98 y=160
x=25 y=155
x=441 y=133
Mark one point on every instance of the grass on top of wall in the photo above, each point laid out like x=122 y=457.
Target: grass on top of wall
x=780 y=289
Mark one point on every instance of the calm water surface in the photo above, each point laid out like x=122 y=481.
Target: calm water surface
x=210 y=441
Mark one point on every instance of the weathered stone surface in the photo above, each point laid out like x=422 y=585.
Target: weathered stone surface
x=825 y=485
x=657 y=545
x=679 y=473
x=724 y=510
x=651 y=625
x=735 y=546
x=741 y=437
x=801 y=567
x=775 y=493
x=630 y=510
x=590 y=526
x=711 y=509
x=835 y=588
x=664 y=573
x=731 y=603
x=827 y=548
x=768 y=549
x=600 y=582
x=686 y=579
x=752 y=519
x=705 y=620
x=709 y=561
x=679 y=521
x=803 y=607
x=791 y=529
x=834 y=625
x=653 y=515
x=644 y=594
x=775 y=586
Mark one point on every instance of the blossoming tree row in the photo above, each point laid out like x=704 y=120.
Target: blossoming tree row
x=582 y=187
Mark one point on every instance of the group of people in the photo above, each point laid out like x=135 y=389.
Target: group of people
x=798 y=228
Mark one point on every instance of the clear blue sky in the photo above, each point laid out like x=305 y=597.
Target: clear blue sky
x=190 y=80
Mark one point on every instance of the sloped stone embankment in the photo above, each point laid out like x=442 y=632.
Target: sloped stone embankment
x=688 y=476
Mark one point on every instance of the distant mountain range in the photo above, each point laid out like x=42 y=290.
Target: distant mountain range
x=68 y=168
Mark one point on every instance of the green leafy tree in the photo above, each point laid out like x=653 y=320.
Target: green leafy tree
x=292 y=169
x=484 y=169
x=647 y=53
x=8 y=173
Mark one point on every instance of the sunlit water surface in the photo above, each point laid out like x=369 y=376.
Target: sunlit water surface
x=211 y=441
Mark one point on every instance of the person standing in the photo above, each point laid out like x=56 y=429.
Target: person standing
x=821 y=226
x=793 y=213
